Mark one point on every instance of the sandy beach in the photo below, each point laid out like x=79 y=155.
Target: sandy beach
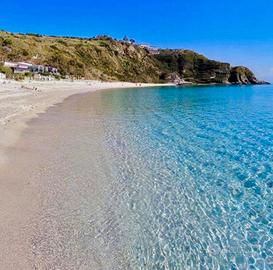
x=22 y=101
x=24 y=189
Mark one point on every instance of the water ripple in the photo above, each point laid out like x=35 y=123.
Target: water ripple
x=195 y=171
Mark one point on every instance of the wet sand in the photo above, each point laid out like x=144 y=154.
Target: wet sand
x=36 y=176
x=57 y=206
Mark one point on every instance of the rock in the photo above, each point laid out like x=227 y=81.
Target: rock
x=243 y=75
x=194 y=67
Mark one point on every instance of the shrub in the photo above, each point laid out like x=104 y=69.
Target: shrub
x=12 y=56
x=28 y=74
x=7 y=42
x=57 y=77
x=7 y=71
x=46 y=73
x=19 y=77
x=61 y=41
x=104 y=44
x=33 y=34
x=54 y=47
x=25 y=52
x=102 y=37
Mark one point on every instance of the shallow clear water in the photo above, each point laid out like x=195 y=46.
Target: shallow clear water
x=195 y=172
x=157 y=178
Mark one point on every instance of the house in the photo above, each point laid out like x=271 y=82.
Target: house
x=150 y=49
x=23 y=67
x=37 y=69
x=10 y=64
x=43 y=69
x=18 y=67
x=52 y=70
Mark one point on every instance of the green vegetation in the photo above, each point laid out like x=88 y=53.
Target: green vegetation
x=28 y=75
x=7 y=42
x=104 y=58
x=7 y=71
x=99 y=58
x=18 y=77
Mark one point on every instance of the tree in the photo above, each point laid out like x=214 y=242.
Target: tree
x=126 y=39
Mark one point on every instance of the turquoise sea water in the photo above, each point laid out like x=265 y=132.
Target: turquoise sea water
x=194 y=172
x=151 y=179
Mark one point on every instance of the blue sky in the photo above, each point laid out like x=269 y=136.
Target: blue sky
x=238 y=31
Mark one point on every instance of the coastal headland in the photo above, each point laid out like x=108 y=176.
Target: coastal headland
x=108 y=59
x=39 y=208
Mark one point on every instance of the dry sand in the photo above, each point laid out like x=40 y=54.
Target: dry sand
x=22 y=101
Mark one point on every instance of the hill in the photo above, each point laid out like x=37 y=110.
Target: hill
x=104 y=58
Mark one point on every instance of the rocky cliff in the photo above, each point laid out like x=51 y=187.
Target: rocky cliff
x=194 y=67
x=243 y=75
x=104 y=58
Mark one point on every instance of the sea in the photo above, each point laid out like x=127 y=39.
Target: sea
x=154 y=178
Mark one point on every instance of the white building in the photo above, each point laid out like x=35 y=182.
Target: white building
x=23 y=67
x=150 y=49
x=19 y=67
x=10 y=64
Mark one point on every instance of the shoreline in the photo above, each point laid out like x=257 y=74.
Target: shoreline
x=34 y=199
x=66 y=191
x=25 y=203
x=22 y=101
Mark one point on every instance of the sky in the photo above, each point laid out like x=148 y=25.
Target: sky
x=239 y=32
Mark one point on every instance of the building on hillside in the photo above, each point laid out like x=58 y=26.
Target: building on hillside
x=18 y=67
x=44 y=69
x=150 y=49
x=22 y=67
x=10 y=64
x=37 y=69
x=52 y=70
